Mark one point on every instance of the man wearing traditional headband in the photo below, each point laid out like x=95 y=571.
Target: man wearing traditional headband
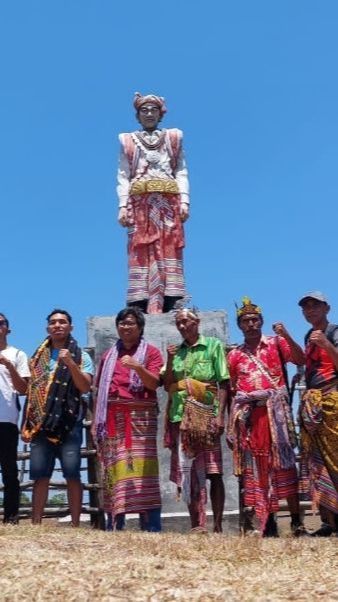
x=196 y=378
x=260 y=429
x=153 y=192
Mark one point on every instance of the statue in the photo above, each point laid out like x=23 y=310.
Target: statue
x=153 y=192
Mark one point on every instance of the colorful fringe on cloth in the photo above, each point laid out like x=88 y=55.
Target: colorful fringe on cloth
x=189 y=474
x=262 y=436
x=155 y=249
x=198 y=428
x=129 y=457
x=319 y=447
x=53 y=401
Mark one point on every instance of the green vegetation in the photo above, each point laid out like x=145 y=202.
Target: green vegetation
x=59 y=499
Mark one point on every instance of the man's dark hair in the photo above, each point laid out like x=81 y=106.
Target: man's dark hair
x=136 y=312
x=60 y=311
x=4 y=318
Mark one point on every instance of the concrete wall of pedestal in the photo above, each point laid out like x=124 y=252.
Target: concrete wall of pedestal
x=160 y=330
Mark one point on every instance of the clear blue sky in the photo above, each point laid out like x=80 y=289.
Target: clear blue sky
x=254 y=86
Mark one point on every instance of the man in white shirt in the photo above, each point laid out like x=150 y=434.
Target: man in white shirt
x=153 y=192
x=14 y=374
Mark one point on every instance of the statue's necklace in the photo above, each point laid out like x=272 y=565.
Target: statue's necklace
x=150 y=145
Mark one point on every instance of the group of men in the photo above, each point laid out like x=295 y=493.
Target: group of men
x=260 y=428
x=153 y=193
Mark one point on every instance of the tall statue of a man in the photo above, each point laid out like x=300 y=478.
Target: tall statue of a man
x=153 y=192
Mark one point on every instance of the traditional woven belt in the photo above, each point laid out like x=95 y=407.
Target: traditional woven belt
x=145 y=186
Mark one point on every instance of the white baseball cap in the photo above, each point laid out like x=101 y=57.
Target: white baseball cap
x=317 y=295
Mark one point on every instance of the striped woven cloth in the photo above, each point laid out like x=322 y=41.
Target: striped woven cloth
x=129 y=456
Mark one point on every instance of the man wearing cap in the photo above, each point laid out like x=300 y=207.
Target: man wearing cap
x=260 y=429
x=319 y=410
x=153 y=192
x=14 y=374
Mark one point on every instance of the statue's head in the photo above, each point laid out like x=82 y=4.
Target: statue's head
x=149 y=109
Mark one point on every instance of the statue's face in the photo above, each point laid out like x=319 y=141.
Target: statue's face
x=149 y=116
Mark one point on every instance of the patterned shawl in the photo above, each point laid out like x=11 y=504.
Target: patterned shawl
x=103 y=384
x=53 y=401
x=280 y=422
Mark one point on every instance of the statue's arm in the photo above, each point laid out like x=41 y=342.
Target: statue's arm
x=182 y=180
x=181 y=177
x=123 y=181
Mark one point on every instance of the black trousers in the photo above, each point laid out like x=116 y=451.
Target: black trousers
x=8 y=452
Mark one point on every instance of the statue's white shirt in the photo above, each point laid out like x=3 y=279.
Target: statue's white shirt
x=152 y=165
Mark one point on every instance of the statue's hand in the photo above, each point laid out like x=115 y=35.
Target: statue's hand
x=184 y=212
x=122 y=217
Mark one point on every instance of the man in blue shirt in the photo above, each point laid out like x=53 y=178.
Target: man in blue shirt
x=60 y=373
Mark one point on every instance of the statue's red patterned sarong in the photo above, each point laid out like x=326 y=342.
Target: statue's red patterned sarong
x=155 y=245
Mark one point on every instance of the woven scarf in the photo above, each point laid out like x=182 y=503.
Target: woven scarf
x=135 y=384
x=53 y=401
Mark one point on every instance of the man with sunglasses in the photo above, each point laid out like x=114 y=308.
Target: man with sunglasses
x=153 y=192
x=14 y=374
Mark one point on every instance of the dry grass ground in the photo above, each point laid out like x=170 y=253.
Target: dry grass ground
x=60 y=563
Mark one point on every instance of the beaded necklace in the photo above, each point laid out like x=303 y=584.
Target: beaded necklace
x=150 y=145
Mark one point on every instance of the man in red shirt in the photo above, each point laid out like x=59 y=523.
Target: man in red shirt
x=319 y=411
x=125 y=424
x=261 y=429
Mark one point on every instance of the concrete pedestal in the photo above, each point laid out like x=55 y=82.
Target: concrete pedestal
x=160 y=330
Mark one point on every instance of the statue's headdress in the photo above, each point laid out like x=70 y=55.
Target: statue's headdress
x=247 y=308
x=158 y=101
